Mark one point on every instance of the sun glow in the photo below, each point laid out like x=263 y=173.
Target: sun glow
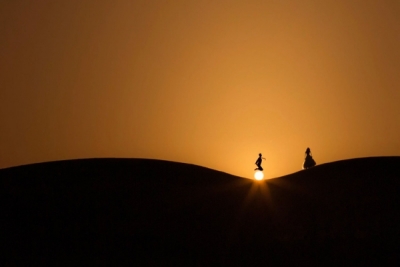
x=258 y=175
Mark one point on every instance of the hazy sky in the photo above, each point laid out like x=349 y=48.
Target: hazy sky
x=210 y=82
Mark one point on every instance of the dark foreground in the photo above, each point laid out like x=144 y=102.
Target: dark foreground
x=158 y=213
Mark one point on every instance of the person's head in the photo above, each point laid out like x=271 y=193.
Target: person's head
x=260 y=154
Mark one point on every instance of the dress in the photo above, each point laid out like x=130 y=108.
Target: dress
x=308 y=161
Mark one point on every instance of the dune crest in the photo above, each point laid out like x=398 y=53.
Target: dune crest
x=142 y=211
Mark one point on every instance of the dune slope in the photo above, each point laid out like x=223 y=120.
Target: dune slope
x=152 y=212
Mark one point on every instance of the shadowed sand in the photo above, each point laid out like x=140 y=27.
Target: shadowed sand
x=152 y=212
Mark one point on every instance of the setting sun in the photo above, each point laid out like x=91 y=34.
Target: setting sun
x=258 y=175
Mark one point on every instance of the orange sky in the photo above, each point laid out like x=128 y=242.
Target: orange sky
x=211 y=83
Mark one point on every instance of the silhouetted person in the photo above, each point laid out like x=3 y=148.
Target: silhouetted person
x=308 y=161
x=258 y=162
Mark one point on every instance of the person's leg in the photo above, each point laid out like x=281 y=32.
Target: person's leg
x=259 y=167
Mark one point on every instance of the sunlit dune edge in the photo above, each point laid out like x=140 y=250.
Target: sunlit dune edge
x=143 y=211
x=345 y=164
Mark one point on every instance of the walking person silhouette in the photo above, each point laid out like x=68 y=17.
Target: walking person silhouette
x=258 y=162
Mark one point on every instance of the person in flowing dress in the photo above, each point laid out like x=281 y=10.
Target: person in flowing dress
x=308 y=161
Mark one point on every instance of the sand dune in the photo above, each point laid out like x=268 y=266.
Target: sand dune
x=151 y=212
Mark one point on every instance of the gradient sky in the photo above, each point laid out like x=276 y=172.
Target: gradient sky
x=211 y=83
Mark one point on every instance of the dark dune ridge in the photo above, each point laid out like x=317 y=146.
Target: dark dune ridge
x=159 y=213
